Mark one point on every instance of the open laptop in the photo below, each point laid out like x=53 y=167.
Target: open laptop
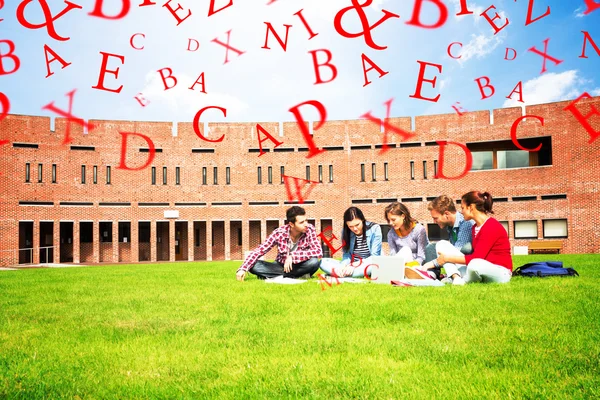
x=387 y=269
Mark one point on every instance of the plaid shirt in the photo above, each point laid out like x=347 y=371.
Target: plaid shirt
x=308 y=247
x=460 y=234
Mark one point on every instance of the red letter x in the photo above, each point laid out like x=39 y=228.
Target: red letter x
x=227 y=46
x=545 y=55
x=386 y=125
x=69 y=115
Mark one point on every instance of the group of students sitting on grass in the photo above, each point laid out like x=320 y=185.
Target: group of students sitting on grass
x=477 y=250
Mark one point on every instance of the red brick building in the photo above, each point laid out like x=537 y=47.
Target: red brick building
x=214 y=201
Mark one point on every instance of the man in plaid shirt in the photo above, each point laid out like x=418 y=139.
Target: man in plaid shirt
x=443 y=211
x=298 y=250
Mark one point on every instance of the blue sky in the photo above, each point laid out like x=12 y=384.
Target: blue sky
x=261 y=85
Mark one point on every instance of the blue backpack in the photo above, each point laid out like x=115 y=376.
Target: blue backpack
x=544 y=268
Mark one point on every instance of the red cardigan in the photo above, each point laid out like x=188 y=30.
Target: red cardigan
x=491 y=244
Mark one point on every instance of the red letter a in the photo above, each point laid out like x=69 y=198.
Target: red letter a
x=56 y=58
x=151 y=148
x=260 y=129
x=297 y=188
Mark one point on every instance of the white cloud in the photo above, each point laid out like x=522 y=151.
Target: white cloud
x=579 y=12
x=479 y=46
x=553 y=87
x=184 y=102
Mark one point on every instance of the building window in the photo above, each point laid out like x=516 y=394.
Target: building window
x=505 y=225
x=40 y=173
x=331 y=174
x=435 y=169
x=435 y=233
x=108 y=175
x=95 y=174
x=282 y=173
x=53 y=173
x=197 y=237
x=308 y=172
x=555 y=228
x=526 y=230
x=386 y=176
x=83 y=174
x=505 y=155
x=424 y=169
x=228 y=176
x=164 y=175
x=177 y=175
x=239 y=230
x=216 y=175
x=320 y=174
x=362 y=172
x=27 y=172
x=373 y=172
x=204 y=175
x=259 y=175
x=412 y=170
x=269 y=176
x=154 y=175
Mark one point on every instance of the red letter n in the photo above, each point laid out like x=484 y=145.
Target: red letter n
x=282 y=43
x=586 y=37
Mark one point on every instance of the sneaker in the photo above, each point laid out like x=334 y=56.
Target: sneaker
x=413 y=273
x=446 y=280
x=305 y=276
x=458 y=281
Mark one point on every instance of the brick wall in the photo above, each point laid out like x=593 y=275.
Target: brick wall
x=575 y=172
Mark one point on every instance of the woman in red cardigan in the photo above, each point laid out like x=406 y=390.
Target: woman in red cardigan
x=491 y=260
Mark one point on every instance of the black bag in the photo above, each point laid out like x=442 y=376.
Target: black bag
x=543 y=269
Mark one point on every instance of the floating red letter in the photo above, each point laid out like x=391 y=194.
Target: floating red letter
x=417 y=12
x=68 y=114
x=519 y=91
x=545 y=55
x=131 y=41
x=491 y=20
x=312 y=148
x=174 y=12
x=103 y=71
x=260 y=129
x=126 y=5
x=227 y=46
x=386 y=125
x=373 y=66
x=421 y=79
x=514 y=54
x=212 y=11
x=310 y=32
x=200 y=80
x=487 y=84
x=583 y=118
x=282 y=43
x=450 y=47
x=586 y=37
x=16 y=61
x=297 y=188
x=151 y=148
x=56 y=58
x=513 y=131
x=197 y=122
x=325 y=64
x=468 y=165
x=328 y=241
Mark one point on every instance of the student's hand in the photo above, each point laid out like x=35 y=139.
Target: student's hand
x=287 y=267
x=347 y=271
x=441 y=260
x=241 y=274
x=428 y=265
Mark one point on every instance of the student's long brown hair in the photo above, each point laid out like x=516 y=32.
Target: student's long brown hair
x=483 y=201
x=397 y=208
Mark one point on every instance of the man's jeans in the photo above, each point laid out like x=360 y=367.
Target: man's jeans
x=264 y=269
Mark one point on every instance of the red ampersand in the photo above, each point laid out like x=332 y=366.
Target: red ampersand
x=337 y=22
x=47 y=15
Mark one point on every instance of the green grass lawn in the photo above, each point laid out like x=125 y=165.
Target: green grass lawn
x=189 y=330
